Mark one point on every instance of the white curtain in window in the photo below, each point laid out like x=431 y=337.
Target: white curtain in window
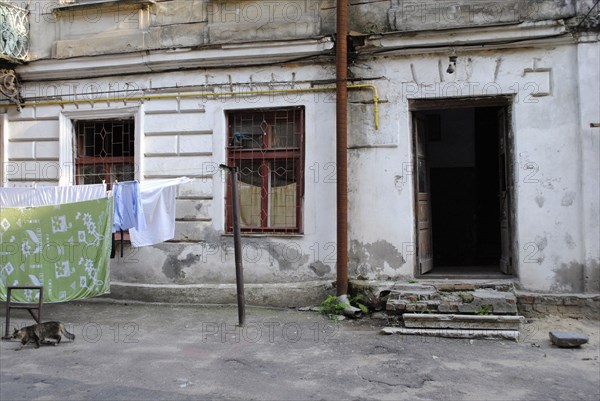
x=249 y=204
x=282 y=206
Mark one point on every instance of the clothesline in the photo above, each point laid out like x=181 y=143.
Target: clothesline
x=76 y=222
x=146 y=209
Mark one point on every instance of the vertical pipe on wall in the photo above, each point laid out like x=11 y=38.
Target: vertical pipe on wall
x=341 y=127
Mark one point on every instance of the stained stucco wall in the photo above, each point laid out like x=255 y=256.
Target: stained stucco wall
x=555 y=164
x=555 y=96
x=64 y=29
x=187 y=137
x=556 y=214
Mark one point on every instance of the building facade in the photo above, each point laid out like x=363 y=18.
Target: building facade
x=471 y=137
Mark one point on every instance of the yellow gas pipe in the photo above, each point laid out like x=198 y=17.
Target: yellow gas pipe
x=208 y=95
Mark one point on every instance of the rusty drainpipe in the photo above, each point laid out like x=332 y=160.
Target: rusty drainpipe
x=341 y=129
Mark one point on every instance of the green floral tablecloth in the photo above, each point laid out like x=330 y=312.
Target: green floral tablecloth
x=65 y=248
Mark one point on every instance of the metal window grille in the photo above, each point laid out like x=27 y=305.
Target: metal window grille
x=104 y=151
x=267 y=148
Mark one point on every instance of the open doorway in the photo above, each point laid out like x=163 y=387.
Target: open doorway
x=462 y=190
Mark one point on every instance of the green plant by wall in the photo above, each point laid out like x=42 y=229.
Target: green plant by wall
x=358 y=302
x=485 y=310
x=332 y=306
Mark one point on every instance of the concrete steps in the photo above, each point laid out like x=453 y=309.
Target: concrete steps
x=456 y=298
x=459 y=310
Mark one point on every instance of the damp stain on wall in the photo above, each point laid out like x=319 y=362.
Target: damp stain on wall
x=399 y=183
x=539 y=199
x=592 y=276
x=568 y=198
x=541 y=242
x=174 y=266
x=320 y=268
x=288 y=256
x=569 y=241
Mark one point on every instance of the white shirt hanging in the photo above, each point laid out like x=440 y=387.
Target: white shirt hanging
x=158 y=202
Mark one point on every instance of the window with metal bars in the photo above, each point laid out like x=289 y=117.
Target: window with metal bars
x=104 y=151
x=267 y=146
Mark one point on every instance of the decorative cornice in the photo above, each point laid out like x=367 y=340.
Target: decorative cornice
x=222 y=56
x=102 y=3
x=481 y=37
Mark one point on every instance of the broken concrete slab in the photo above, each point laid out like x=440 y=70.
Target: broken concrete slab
x=567 y=339
x=457 y=321
x=454 y=333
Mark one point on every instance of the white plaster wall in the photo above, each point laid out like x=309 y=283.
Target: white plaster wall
x=588 y=62
x=555 y=163
x=550 y=230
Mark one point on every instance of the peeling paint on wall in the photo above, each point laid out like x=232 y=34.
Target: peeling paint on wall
x=569 y=278
x=366 y=259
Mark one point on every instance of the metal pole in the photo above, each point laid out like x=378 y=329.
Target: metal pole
x=237 y=245
x=341 y=62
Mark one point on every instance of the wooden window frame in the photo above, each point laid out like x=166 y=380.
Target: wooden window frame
x=266 y=155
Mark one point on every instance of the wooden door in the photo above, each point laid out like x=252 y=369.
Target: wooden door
x=423 y=197
x=505 y=190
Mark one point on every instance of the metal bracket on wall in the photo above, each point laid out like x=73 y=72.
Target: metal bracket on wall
x=10 y=86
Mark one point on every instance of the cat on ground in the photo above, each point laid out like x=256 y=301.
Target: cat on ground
x=40 y=332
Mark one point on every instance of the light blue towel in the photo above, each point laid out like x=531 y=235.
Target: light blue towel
x=128 y=206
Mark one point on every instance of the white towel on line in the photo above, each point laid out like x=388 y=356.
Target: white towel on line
x=48 y=196
x=158 y=202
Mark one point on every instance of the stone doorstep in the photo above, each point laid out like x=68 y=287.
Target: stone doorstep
x=454 y=333
x=495 y=302
x=456 y=321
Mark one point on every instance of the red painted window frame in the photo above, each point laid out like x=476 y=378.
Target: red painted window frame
x=267 y=155
x=106 y=162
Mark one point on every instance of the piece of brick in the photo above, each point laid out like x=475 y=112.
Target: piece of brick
x=526 y=299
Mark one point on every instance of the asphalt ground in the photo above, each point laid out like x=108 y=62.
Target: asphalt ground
x=132 y=351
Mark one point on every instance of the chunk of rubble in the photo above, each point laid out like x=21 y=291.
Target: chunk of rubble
x=567 y=339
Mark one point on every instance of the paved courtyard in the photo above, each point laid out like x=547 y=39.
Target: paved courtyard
x=129 y=351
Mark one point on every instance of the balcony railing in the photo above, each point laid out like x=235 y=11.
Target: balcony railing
x=14 y=32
